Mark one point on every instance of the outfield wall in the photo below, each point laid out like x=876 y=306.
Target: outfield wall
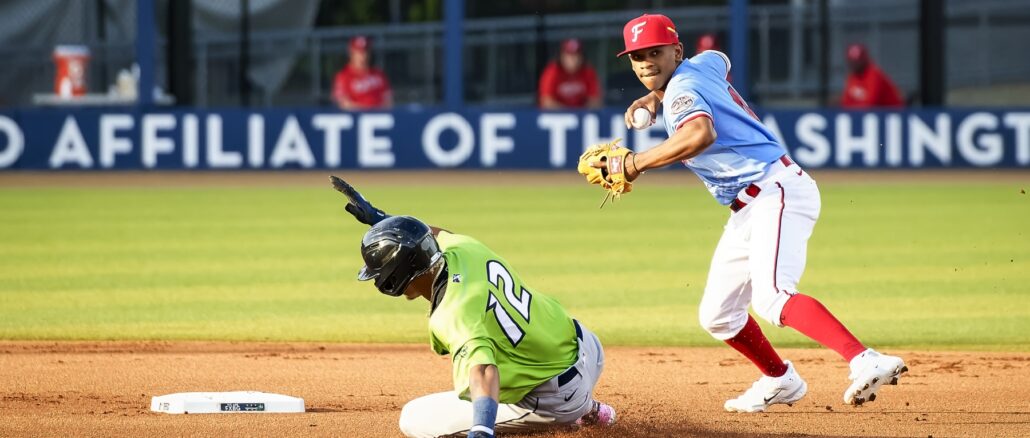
x=128 y=138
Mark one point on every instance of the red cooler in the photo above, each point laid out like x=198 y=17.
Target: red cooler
x=72 y=62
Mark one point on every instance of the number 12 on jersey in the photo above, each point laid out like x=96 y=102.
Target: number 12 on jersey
x=499 y=276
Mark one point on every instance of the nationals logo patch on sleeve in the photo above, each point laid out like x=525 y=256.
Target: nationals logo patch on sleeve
x=682 y=103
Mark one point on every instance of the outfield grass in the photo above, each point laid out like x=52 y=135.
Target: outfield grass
x=919 y=266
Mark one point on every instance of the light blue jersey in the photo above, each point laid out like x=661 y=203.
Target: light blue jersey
x=744 y=147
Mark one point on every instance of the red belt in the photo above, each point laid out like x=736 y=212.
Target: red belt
x=753 y=190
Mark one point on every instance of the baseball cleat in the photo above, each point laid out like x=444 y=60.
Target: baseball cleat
x=870 y=371
x=601 y=415
x=767 y=391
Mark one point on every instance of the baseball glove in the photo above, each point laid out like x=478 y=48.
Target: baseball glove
x=605 y=165
x=357 y=206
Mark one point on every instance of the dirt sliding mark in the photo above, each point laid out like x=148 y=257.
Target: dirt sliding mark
x=500 y=178
x=90 y=388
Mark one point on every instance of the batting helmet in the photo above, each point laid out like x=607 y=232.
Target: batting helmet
x=396 y=251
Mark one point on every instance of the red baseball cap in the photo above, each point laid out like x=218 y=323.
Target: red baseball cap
x=571 y=45
x=359 y=43
x=857 y=53
x=648 y=30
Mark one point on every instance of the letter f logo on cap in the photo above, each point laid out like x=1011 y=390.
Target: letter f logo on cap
x=637 y=29
x=638 y=35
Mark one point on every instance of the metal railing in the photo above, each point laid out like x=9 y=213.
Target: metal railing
x=986 y=44
x=503 y=59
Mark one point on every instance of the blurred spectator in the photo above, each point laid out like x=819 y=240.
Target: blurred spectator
x=706 y=41
x=709 y=41
x=569 y=82
x=867 y=86
x=359 y=86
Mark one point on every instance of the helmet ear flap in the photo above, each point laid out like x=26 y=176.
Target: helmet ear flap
x=397 y=280
x=395 y=287
x=386 y=287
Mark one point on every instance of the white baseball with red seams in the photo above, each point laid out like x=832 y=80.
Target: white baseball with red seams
x=641 y=118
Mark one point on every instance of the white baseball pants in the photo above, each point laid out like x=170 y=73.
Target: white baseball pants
x=761 y=254
x=546 y=406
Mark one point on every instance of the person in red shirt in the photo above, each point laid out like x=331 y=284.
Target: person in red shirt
x=867 y=86
x=569 y=82
x=359 y=86
x=706 y=41
x=709 y=41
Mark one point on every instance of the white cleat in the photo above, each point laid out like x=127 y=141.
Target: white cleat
x=869 y=371
x=767 y=391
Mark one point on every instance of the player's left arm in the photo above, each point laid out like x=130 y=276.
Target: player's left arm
x=484 y=391
x=484 y=381
x=690 y=140
x=484 y=386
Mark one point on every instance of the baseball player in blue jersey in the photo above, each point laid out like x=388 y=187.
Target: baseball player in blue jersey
x=773 y=204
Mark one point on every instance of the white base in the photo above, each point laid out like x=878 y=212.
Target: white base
x=249 y=402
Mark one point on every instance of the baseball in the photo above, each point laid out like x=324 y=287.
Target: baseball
x=641 y=118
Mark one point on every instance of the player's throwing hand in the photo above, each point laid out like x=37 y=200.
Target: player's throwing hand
x=650 y=102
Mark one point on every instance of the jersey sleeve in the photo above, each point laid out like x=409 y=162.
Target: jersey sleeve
x=714 y=62
x=547 y=82
x=477 y=351
x=887 y=94
x=683 y=105
x=340 y=86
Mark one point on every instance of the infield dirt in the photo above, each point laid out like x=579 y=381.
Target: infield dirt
x=104 y=389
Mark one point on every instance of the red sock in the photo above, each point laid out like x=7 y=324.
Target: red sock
x=808 y=316
x=751 y=342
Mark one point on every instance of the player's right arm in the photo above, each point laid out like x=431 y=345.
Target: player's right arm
x=362 y=210
x=357 y=205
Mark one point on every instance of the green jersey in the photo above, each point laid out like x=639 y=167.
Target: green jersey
x=488 y=316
